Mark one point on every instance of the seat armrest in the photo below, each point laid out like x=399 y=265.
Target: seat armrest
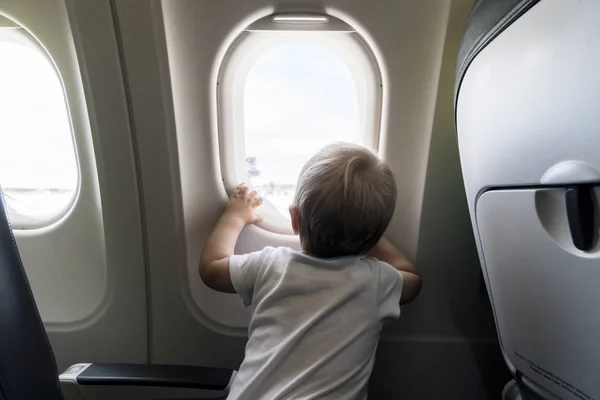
x=146 y=381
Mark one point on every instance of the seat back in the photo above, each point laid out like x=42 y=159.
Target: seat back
x=27 y=364
x=527 y=108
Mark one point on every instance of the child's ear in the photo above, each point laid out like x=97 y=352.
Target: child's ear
x=294 y=217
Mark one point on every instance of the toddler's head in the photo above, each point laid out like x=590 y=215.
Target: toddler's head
x=344 y=201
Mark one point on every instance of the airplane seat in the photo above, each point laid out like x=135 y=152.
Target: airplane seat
x=28 y=367
x=527 y=115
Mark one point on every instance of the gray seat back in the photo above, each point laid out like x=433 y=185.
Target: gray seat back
x=27 y=364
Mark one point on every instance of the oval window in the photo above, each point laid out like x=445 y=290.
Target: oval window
x=284 y=95
x=38 y=166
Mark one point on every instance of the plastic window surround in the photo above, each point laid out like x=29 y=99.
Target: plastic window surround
x=14 y=33
x=250 y=45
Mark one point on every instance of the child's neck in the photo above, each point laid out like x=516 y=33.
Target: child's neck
x=308 y=253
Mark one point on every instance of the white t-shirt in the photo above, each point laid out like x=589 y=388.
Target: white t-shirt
x=315 y=323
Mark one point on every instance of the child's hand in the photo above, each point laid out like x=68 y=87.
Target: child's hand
x=214 y=263
x=243 y=205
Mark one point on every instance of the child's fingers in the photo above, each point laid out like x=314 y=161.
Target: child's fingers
x=253 y=194
x=244 y=191
x=258 y=202
x=258 y=219
x=237 y=190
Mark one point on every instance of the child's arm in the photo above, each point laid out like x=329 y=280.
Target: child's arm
x=214 y=262
x=388 y=253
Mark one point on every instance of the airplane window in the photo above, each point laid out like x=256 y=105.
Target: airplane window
x=38 y=167
x=295 y=94
x=297 y=99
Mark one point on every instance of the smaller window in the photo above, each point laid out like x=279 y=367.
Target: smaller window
x=38 y=167
x=283 y=95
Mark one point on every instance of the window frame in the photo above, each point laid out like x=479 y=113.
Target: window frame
x=258 y=38
x=12 y=32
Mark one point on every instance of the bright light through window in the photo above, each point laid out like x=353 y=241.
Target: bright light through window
x=282 y=96
x=38 y=168
x=297 y=99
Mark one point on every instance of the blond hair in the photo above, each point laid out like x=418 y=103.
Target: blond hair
x=345 y=199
